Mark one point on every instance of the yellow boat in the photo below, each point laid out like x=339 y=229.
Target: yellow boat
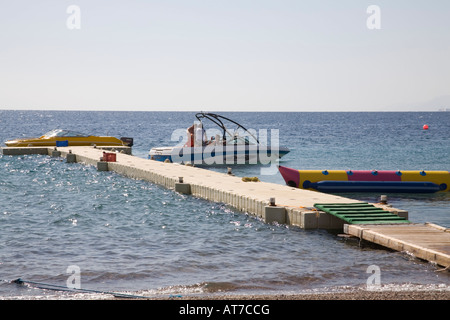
x=62 y=138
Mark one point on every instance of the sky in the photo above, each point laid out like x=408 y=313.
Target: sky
x=217 y=55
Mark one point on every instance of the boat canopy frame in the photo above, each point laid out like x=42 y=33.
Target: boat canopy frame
x=219 y=121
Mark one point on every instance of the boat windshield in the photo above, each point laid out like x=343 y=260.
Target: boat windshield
x=63 y=133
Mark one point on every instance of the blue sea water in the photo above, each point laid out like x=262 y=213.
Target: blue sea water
x=132 y=236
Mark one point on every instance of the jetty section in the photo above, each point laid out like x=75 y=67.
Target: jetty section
x=273 y=203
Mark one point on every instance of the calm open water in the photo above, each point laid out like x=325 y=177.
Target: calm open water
x=132 y=236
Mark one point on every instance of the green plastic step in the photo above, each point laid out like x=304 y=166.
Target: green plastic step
x=360 y=213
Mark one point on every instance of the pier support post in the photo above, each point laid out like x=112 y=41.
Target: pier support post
x=181 y=187
x=403 y=214
x=309 y=220
x=102 y=166
x=184 y=188
x=274 y=214
x=71 y=158
x=56 y=153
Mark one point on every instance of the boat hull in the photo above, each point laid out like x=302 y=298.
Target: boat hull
x=66 y=141
x=367 y=180
x=218 y=155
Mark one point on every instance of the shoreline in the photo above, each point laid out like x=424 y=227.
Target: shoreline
x=346 y=294
x=357 y=295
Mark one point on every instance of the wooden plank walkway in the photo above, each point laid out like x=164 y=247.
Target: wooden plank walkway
x=425 y=241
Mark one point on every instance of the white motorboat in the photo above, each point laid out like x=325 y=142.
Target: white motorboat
x=229 y=143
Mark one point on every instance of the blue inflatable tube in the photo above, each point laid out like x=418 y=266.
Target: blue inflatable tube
x=375 y=186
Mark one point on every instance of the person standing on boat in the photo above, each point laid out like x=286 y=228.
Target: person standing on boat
x=190 y=136
x=199 y=135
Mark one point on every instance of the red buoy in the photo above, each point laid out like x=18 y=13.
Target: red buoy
x=425 y=127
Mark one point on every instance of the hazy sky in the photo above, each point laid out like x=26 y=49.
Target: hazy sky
x=224 y=55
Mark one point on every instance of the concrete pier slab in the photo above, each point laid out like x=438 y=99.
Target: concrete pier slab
x=71 y=158
x=293 y=206
x=251 y=197
x=274 y=214
x=184 y=188
x=15 y=151
x=102 y=166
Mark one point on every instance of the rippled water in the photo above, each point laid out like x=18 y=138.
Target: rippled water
x=134 y=236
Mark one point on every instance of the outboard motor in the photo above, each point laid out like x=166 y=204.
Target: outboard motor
x=127 y=141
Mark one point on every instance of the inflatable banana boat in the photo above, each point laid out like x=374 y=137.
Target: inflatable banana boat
x=367 y=180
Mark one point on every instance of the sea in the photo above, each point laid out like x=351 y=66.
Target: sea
x=69 y=231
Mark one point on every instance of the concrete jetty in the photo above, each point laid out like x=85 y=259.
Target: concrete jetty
x=292 y=206
x=273 y=203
